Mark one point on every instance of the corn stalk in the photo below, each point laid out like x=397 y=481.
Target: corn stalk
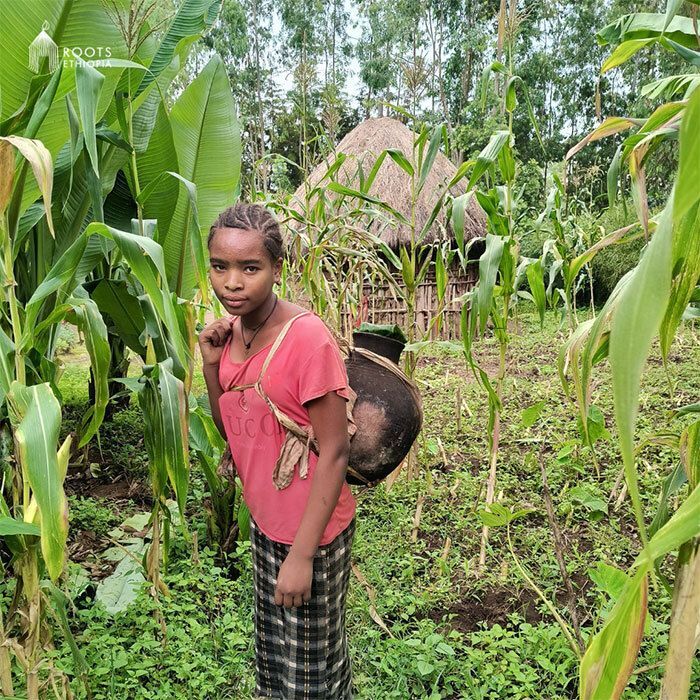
x=500 y=269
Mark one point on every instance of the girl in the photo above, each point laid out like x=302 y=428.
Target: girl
x=301 y=528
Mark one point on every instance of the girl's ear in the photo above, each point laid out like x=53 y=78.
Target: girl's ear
x=277 y=269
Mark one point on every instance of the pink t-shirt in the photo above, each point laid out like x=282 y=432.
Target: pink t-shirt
x=307 y=365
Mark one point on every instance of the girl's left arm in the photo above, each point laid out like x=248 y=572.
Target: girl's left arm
x=329 y=420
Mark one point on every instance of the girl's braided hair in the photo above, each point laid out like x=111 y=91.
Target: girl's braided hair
x=252 y=217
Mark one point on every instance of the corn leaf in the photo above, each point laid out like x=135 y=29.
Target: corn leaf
x=488 y=156
x=535 y=278
x=88 y=82
x=407 y=269
x=42 y=165
x=511 y=98
x=460 y=205
x=151 y=408
x=610 y=657
x=400 y=159
x=616 y=237
x=683 y=526
x=37 y=415
x=196 y=241
x=7 y=174
x=687 y=192
x=634 y=325
x=687 y=54
x=613 y=177
x=670 y=487
x=371 y=176
x=342 y=189
x=90 y=321
x=429 y=159
x=204 y=436
x=642 y=25
x=686 y=272
x=122 y=312
x=43 y=104
x=671 y=86
x=489 y=263
x=639 y=188
x=10 y=526
x=690 y=453
x=62 y=276
x=624 y=52
x=175 y=432
x=441 y=273
x=7 y=348
x=612 y=125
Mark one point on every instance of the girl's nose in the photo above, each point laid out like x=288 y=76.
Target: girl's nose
x=233 y=282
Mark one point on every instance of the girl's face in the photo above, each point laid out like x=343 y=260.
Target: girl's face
x=241 y=271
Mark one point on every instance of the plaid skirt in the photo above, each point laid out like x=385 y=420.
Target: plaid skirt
x=302 y=653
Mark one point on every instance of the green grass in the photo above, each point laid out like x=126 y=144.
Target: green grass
x=454 y=632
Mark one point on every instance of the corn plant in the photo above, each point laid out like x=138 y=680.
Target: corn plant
x=336 y=256
x=333 y=253
x=103 y=147
x=501 y=269
x=33 y=510
x=225 y=511
x=649 y=301
x=426 y=147
x=34 y=514
x=572 y=250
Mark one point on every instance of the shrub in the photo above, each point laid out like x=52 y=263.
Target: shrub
x=67 y=338
x=611 y=263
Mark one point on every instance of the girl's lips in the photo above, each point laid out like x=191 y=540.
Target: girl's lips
x=234 y=302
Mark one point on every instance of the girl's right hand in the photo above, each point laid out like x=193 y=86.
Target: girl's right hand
x=212 y=340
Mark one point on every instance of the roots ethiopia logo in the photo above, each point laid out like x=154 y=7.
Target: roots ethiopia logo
x=44 y=47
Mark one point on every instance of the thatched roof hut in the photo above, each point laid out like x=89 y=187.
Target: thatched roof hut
x=362 y=146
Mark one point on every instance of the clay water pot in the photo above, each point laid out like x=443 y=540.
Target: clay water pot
x=381 y=344
x=388 y=414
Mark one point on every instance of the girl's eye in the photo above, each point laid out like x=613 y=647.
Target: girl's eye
x=251 y=267
x=216 y=266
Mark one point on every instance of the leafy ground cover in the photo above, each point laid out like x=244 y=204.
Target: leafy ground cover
x=423 y=621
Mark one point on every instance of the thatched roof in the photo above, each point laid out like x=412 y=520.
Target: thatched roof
x=392 y=184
